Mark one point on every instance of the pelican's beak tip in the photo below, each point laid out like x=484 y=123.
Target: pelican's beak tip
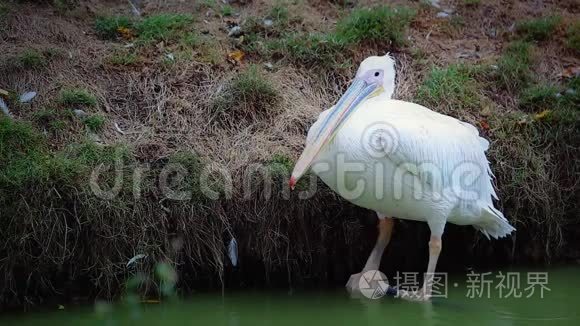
x=292 y=182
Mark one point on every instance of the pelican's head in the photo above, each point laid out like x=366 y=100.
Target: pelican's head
x=385 y=67
x=375 y=77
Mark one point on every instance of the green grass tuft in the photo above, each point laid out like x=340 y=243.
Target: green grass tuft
x=227 y=10
x=471 y=2
x=538 y=29
x=252 y=86
x=279 y=168
x=52 y=119
x=514 y=66
x=279 y=14
x=190 y=40
x=380 y=24
x=44 y=115
x=107 y=27
x=280 y=165
x=16 y=138
x=31 y=58
x=254 y=36
x=25 y=160
x=190 y=161
x=573 y=36
x=57 y=125
x=123 y=58
x=89 y=153
x=538 y=97
x=571 y=94
x=311 y=49
x=77 y=96
x=95 y=123
x=257 y=36
x=248 y=94
x=162 y=27
x=453 y=86
x=208 y=50
x=28 y=59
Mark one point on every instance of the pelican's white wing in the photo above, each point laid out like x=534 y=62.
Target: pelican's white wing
x=445 y=154
x=424 y=141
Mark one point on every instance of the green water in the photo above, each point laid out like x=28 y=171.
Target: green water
x=559 y=306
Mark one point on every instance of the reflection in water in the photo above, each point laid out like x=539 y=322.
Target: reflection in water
x=233 y=319
x=559 y=307
x=428 y=314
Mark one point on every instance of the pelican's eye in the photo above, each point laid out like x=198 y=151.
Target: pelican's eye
x=373 y=76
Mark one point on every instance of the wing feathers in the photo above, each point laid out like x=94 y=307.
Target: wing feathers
x=432 y=145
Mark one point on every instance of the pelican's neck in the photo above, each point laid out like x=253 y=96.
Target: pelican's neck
x=387 y=93
x=388 y=88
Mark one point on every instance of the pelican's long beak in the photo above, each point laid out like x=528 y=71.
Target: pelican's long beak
x=358 y=91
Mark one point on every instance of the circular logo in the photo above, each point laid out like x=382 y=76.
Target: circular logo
x=380 y=139
x=373 y=284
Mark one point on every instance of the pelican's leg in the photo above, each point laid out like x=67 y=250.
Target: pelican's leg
x=385 y=227
x=435 y=246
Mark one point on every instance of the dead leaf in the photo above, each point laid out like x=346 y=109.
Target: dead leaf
x=541 y=115
x=236 y=56
x=126 y=33
x=3 y=92
x=484 y=125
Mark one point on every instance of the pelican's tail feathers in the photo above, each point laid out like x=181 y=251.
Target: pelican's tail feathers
x=493 y=223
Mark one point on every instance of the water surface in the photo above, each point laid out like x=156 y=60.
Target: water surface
x=559 y=306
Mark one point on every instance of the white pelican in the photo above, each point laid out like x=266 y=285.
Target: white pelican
x=402 y=160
